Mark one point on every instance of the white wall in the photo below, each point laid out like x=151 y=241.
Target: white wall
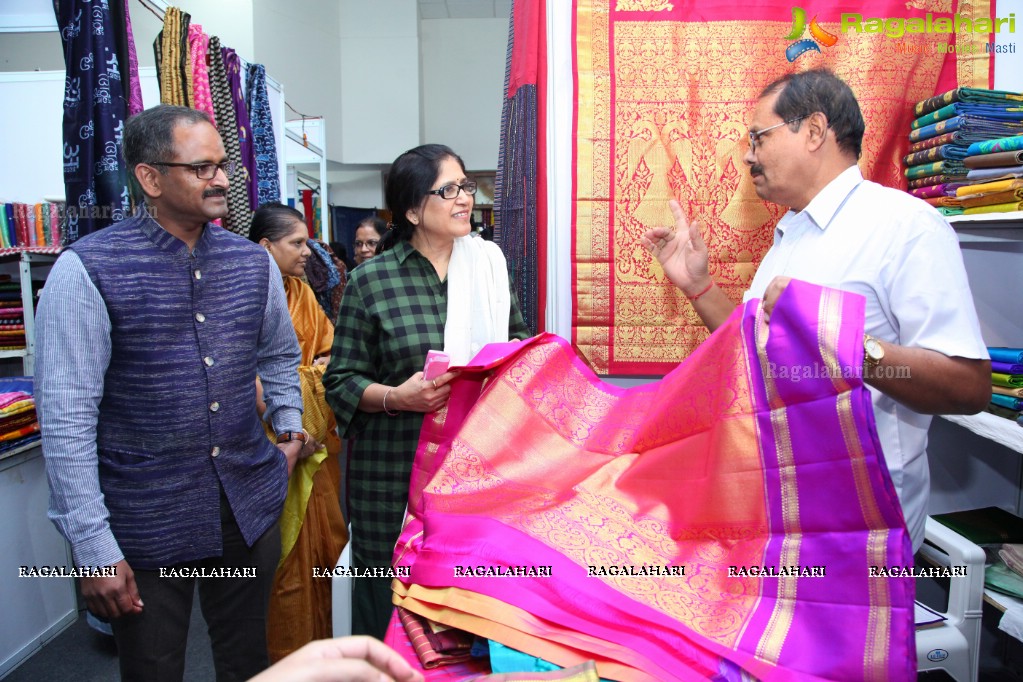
x=299 y=44
x=463 y=86
x=379 y=81
x=364 y=189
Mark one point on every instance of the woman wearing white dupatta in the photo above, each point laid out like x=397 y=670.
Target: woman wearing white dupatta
x=433 y=287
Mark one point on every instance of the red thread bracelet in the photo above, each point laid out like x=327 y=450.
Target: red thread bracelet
x=692 y=299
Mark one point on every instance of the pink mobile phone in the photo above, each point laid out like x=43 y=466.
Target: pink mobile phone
x=436 y=364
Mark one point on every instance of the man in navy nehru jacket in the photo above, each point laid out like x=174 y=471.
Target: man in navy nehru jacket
x=151 y=334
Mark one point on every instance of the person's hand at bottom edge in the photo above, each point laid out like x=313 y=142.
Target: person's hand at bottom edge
x=342 y=659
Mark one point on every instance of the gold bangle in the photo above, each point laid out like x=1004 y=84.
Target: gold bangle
x=384 y=402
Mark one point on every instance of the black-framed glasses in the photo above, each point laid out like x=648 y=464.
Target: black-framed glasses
x=371 y=243
x=755 y=135
x=203 y=171
x=451 y=191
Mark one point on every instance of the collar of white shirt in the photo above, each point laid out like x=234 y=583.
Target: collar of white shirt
x=823 y=207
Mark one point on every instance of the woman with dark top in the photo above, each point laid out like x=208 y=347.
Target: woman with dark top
x=433 y=287
x=368 y=234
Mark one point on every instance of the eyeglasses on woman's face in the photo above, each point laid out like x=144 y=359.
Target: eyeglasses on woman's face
x=451 y=191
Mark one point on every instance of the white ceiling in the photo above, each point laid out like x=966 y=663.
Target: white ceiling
x=465 y=9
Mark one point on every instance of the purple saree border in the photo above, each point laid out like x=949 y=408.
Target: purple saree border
x=817 y=350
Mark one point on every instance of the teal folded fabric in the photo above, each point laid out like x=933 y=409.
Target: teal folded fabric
x=998 y=112
x=946 y=167
x=1002 y=144
x=975 y=95
x=1007 y=401
x=1003 y=354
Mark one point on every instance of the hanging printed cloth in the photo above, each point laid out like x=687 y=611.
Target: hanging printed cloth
x=198 y=44
x=239 y=215
x=129 y=61
x=171 y=59
x=95 y=106
x=268 y=185
x=247 y=173
x=520 y=189
x=308 y=210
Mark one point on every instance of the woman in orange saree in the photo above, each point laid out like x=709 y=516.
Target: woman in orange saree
x=718 y=524
x=313 y=530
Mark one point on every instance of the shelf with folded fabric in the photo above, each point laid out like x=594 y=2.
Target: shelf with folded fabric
x=27 y=258
x=988 y=227
x=994 y=428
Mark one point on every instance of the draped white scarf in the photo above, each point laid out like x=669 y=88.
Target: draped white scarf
x=479 y=302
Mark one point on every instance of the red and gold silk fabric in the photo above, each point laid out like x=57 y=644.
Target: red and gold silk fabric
x=664 y=92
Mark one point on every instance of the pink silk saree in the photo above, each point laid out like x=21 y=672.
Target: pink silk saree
x=755 y=454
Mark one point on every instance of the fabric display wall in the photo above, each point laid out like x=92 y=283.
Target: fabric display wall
x=960 y=151
x=30 y=224
x=18 y=423
x=662 y=97
x=101 y=90
x=195 y=70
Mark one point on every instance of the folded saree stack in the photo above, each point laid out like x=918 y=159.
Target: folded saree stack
x=18 y=423
x=1007 y=383
x=718 y=524
x=946 y=134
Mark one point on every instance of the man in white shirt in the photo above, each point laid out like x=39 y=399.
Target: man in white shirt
x=924 y=354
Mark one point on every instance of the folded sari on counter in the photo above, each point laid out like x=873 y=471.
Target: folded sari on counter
x=971 y=95
x=1007 y=367
x=1002 y=390
x=1006 y=401
x=980 y=128
x=994 y=160
x=1004 y=412
x=669 y=531
x=435 y=646
x=947 y=202
x=990 y=174
x=1003 y=112
x=945 y=151
x=1003 y=354
x=954 y=137
x=945 y=189
x=994 y=208
x=945 y=167
x=1011 y=143
x=936 y=180
x=1007 y=380
x=989 y=188
x=1009 y=196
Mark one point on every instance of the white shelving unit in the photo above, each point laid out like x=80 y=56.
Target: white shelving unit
x=26 y=260
x=978 y=463
x=992 y=427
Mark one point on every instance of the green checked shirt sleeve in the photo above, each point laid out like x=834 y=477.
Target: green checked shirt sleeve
x=392 y=312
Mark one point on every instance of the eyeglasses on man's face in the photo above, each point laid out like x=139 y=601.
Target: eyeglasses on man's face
x=451 y=191
x=369 y=243
x=755 y=135
x=203 y=171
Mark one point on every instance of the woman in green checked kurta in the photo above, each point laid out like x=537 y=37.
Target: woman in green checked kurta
x=394 y=310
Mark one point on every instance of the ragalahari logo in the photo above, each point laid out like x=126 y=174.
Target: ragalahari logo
x=804 y=45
